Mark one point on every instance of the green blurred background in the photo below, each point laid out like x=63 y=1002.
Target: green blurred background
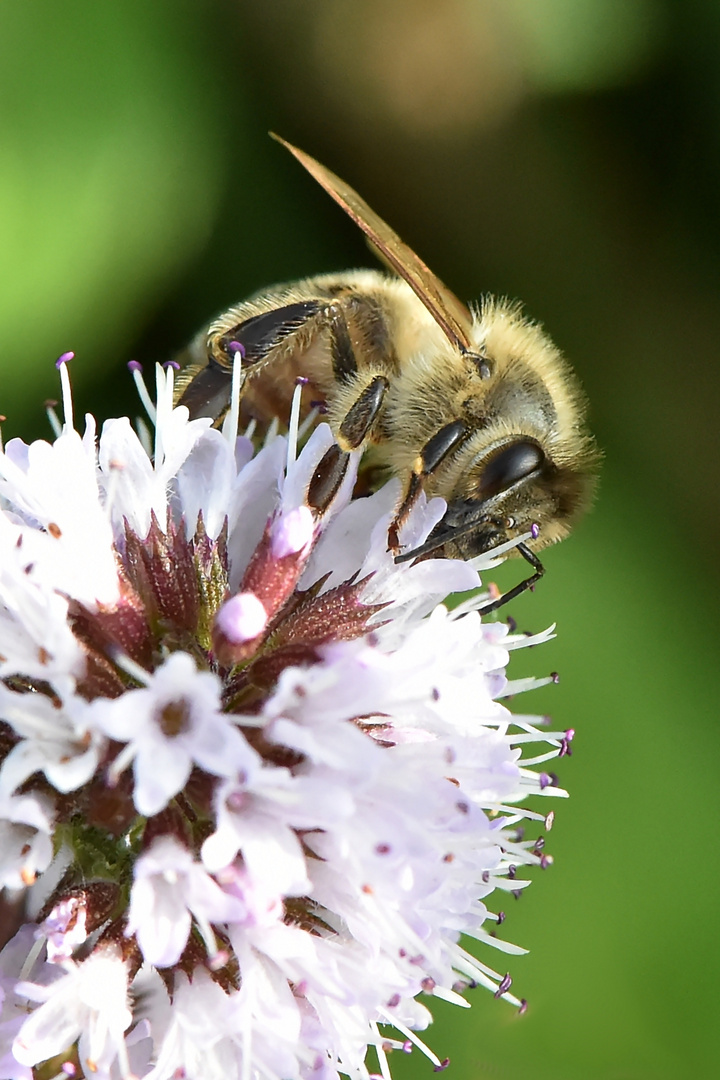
x=563 y=151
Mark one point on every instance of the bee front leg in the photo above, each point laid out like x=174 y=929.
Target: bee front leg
x=432 y=454
x=358 y=421
x=352 y=431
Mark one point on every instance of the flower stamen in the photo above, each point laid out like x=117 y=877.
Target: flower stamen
x=135 y=369
x=294 y=424
x=232 y=419
x=62 y=365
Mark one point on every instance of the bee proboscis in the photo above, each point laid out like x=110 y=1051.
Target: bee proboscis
x=476 y=405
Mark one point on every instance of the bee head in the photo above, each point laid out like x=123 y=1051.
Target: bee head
x=509 y=489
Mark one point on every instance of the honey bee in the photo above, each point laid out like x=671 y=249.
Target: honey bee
x=476 y=405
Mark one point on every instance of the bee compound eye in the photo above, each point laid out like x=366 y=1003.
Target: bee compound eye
x=511 y=464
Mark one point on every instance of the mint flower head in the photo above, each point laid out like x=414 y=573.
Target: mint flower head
x=256 y=779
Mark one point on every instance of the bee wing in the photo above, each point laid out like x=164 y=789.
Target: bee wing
x=450 y=314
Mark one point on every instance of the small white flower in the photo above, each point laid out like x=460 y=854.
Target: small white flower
x=170 y=725
x=51 y=741
x=169 y=889
x=13 y=1009
x=88 y=1004
x=201 y=1039
x=65 y=928
x=72 y=550
x=26 y=824
x=258 y=814
x=138 y=488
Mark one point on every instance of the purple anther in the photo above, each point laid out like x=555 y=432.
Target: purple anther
x=545 y=862
x=171 y=364
x=550 y=820
x=407 y=1047
x=442 y=1066
x=485 y=876
x=545 y=780
x=512 y=872
x=394 y=1001
x=511 y=624
x=500 y=918
x=570 y=734
x=555 y=677
x=534 y=530
x=302 y=380
x=539 y=845
x=435 y=694
x=516 y=894
x=565 y=748
x=64 y=358
x=134 y=365
x=428 y=984
x=382 y=849
x=523 y=1007
x=321 y=406
x=505 y=984
x=236 y=347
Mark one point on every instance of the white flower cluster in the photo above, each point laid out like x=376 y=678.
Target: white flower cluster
x=255 y=779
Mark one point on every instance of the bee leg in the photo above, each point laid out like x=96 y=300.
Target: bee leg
x=260 y=334
x=341 y=347
x=207 y=393
x=353 y=430
x=528 y=583
x=327 y=478
x=206 y=390
x=432 y=454
x=360 y=417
